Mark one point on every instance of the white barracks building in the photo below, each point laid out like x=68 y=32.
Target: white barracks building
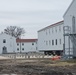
x=70 y=30
x=26 y=45
x=9 y=44
x=58 y=38
x=50 y=39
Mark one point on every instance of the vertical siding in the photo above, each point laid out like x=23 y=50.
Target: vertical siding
x=68 y=21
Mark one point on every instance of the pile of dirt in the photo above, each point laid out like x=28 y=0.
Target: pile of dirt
x=35 y=68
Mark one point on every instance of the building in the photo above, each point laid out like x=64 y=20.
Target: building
x=70 y=30
x=55 y=39
x=26 y=45
x=9 y=44
x=50 y=39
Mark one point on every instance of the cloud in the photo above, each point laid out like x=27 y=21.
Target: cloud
x=31 y=5
x=27 y=17
x=32 y=15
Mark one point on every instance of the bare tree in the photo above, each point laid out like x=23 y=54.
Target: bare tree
x=14 y=31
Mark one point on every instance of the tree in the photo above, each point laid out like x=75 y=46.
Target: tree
x=14 y=31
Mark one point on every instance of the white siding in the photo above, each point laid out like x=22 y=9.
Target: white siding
x=12 y=46
x=70 y=13
x=28 y=47
x=48 y=34
x=10 y=43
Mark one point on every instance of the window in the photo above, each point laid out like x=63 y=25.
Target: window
x=49 y=31
x=46 y=42
x=46 y=32
x=22 y=43
x=56 y=41
x=17 y=49
x=56 y=29
x=32 y=43
x=17 y=44
x=59 y=28
x=60 y=41
x=36 y=48
x=4 y=50
x=4 y=40
x=73 y=24
x=49 y=42
x=52 y=42
x=22 y=48
x=52 y=30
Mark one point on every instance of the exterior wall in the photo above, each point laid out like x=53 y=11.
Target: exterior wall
x=68 y=21
x=26 y=47
x=46 y=35
x=13 y=46
x=69 y=15
x=10 y=43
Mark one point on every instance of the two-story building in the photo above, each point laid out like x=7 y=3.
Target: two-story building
x=26 y=45
x=50 y=39
x=70 y=29
x=9 y=44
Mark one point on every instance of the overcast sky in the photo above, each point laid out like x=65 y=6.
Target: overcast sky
x=32 y=15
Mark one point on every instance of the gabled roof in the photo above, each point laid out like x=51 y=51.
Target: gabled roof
x=55 y=24
x=4 y=34
x=68 y=8
x=26 y=40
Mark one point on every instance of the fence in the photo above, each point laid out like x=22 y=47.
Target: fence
x=24 y=56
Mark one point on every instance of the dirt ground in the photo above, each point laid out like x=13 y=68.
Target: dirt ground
x=37 y=67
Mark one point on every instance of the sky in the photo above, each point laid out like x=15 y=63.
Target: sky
x=32 y=15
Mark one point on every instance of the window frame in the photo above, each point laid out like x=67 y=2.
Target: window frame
x=4 y=40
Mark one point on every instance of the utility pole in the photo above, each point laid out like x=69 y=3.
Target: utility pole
x=20 y=45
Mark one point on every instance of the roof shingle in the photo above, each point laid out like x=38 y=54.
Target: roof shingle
x=26 y=40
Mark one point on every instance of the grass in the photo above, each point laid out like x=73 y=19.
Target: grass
x=71 y=61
